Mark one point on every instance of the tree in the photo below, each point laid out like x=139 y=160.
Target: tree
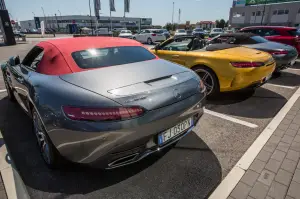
x=222 y=23
x=168 y=26
x=217 y=23
x=227 y=23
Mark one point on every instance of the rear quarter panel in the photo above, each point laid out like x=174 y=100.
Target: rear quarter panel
x=220 y=64
x=49 y=93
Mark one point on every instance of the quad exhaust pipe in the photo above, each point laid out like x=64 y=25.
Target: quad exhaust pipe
x=123 y=161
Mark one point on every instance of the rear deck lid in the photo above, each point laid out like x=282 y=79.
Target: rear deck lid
x=150 y=84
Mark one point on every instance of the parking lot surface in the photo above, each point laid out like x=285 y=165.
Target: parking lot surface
x=192 y=169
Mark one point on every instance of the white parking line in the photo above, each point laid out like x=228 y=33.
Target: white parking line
x=1 y=91
x=293 y=68
x=281 y=86
x=12 y=181
x=237 y=172
x=232 y=119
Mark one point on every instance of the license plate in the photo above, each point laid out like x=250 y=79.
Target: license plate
x=174 y=131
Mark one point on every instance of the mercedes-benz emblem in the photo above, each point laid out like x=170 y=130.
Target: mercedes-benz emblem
x=177 y=94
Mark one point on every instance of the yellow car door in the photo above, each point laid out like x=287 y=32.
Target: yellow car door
x=173 y=56
x=174 y=50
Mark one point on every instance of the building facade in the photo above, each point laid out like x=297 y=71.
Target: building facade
x=67 y=23
x=264 y=12
x=206 y=24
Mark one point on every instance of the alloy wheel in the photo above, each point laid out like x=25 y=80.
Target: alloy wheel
x=207 y=79
x=41 y=138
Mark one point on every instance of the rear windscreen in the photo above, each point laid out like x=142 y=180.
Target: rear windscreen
x=157 y=31
x=294 y=32
x=102 y=57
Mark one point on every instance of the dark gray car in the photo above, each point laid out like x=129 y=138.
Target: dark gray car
x=103 y=101
x=283 y=54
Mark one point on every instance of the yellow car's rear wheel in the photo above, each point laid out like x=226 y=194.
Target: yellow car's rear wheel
x=209 y=79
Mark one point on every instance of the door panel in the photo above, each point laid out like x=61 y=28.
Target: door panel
x=18 y=83
x=281 y=39
x=173 y=56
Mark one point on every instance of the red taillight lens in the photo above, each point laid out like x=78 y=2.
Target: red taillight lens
x=247 y=64
x=102 y=114
x=153 y=35
x=283 y=52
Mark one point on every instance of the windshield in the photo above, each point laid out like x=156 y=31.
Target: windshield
x=125 y=31
x=157 y=31
x=181 y=31
x=198 y=30
x=294 y=32
x=259 y=39
x=217 y=30
x=101 y=57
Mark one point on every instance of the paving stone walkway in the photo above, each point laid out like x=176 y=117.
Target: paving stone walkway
x=275 y=172
x=2 y=189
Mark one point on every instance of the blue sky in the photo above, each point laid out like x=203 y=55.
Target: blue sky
x=159 y=10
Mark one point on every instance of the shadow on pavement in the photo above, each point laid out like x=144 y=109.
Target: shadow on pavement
x=262 y=103
x=286 y=79
x=296 y=65
x=189 y=170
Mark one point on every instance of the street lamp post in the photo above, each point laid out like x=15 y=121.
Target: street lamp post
x=60 y=18
x=173 y=14
x=91 y=17
x=44 y=17
x=263 y=15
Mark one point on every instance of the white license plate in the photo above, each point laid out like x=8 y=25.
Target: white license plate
x=174 y=131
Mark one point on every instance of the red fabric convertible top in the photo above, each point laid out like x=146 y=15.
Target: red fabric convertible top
x=58 y=60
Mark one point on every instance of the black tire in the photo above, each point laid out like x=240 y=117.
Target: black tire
x=133 y=38
x=9 y=91
x=149 y=41
x=215 y=88
x=49 y=153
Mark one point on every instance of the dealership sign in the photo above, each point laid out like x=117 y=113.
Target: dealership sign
x=256 y=2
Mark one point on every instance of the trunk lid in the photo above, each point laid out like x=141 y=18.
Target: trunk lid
x=245 y=52
x=270 y=46
x=150 y=84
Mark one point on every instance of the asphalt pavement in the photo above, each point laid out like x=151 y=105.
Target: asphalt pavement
x=192 y=169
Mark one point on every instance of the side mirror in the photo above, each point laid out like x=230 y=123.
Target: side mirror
x=13 y=61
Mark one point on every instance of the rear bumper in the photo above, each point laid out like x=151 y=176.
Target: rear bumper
x=254 y=77
x=284 y=62
x=136 y=138
x=158 y=39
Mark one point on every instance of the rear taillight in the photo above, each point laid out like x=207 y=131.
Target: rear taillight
x=102 y=114
x=279 y=52
x=153 y=35
x=247 y=64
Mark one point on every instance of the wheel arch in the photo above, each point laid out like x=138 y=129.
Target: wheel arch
x=205 y=66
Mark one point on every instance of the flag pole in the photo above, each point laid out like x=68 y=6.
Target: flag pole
x=110 y=22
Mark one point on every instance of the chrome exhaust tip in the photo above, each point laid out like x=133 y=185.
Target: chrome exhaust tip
x=123 y=161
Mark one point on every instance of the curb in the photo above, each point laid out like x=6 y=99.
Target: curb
x=13 y=183
x=234 y=176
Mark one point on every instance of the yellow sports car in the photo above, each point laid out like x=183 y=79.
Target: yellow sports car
x=222 y=67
